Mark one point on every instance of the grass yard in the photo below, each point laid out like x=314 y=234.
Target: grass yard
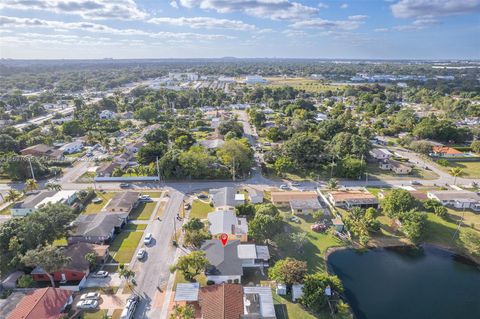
x=470 y=169
x=124 y=245
x=61 y=242
x=95 y=208
x=469 y=218
x=143 y=211
x=200 y=209
x=6 y=210
x=315 y=247
x=117 y=313
x=179 y=279
x=98 y=314
x=375 y=172
x=135 y=227
x=152 y=194
x=286 y=309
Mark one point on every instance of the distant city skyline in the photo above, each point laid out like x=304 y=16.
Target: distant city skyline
x=123 y=29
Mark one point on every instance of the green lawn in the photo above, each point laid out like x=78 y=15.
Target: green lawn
x=143 y=211
x=60 y=242
x=124 y=245
x=440 y=231
x=135 y=227
x=315 y=247
x=294 y=310
x=470 y=169
x=152 y=194
x=200 y=209
x=179 y=279
x=6 y=210
x=374 y=171
x=97 y=314
x=94 y=208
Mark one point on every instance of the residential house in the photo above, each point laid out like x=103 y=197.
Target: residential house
x=97 y=228
x=305 y=206
x=225 y=196
x=44 y=303
x=73 y=147
x=352 y=198
x=255 y=196
x=213 y=143
x=444 y=151
x=226 y=222
x=42 y=150
x=400 y=168
x=254 y=79
x=106 y=115
x=284 y=198
x=78 y=268
x=258 y=303
x=122 y=202
x=458 y=199
x=35 y=200
x=107 y=169
x=227 y=263
x=380 y=153
x=133 y=147
x=223 y=301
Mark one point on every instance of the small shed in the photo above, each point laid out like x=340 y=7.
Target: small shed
x=338 y=224
x=187 y=292
x=297 y=292
x=281 y=289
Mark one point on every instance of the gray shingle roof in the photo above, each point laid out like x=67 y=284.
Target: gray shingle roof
x=100 y=224
x=224 y=260
x=223 y=196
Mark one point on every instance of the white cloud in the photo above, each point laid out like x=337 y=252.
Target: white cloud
x=294 y=33
x=174 y=4
x=433 y=8
x=322 y=5
x=88 y=9
x=270 y=9
x=418 y=24
x=100 y=28
x=352 y=23
x=343 y=6
x=203 y=22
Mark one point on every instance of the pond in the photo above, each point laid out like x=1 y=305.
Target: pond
x=406 y=282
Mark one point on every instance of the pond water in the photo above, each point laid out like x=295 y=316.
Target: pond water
x=408 y=283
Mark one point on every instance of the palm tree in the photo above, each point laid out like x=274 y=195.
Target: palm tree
x=53 y=186
x=31 y=184
x=130 y=170
x=13 y=195
x=117 y=172
x=455 y=172
x=124 y=272
x=332 y=183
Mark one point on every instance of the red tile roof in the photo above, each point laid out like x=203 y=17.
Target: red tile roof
x=446 y=150
x=45 y=303
x=223 y=301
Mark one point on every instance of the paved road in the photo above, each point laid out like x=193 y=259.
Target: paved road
x=154 y=270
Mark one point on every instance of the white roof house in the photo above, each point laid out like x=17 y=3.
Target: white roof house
x=226 y=222
x=252 y=251
x=63 y=196
x=380 y=153
x=187 y=292
x=72 y=147
x=258 y=300
x=457 y=198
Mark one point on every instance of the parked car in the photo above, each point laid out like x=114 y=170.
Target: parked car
x=319 y=228
x=284 y=186
x=100 y=274
x=130 y=306
x=415 y=183
x=145 y=198
x=148 y=238
x=87 y=304
x=295 y=219
x=187 y=206
x=90 y=296
x=295 y=184
x=125 y=185
x=141 y=254
x=97 y=200
x=202 y=196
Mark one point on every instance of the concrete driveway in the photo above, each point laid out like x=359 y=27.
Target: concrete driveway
x=113 y=280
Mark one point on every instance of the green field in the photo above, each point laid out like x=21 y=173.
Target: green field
x=135 y=227
x=470 y=169
x=143 y=211
x=124 y=245
x=94 y=208
x=308 y=85
x=200 y=209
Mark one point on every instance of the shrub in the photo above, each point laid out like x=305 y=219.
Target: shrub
x=440 y=211
x=443 y=162
x=210 y=282
x=25 y=281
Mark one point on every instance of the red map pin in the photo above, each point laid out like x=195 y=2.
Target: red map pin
x=224 y=239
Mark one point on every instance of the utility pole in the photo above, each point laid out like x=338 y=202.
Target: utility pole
x=233 y=169
x=31 y=167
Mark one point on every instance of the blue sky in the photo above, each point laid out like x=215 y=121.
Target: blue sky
x=386 y=29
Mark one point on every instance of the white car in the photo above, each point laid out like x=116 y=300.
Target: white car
x=148 y=238
x=295 y=184
x=141 y=254
x=90 y=296
x=100 y=274
x=145 y=198
x=284 y=186
x=87 y=304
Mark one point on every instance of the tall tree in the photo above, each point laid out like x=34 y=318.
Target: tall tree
x=288 y=271
x=48 y=258
x=192 y=264
x=31 y=184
